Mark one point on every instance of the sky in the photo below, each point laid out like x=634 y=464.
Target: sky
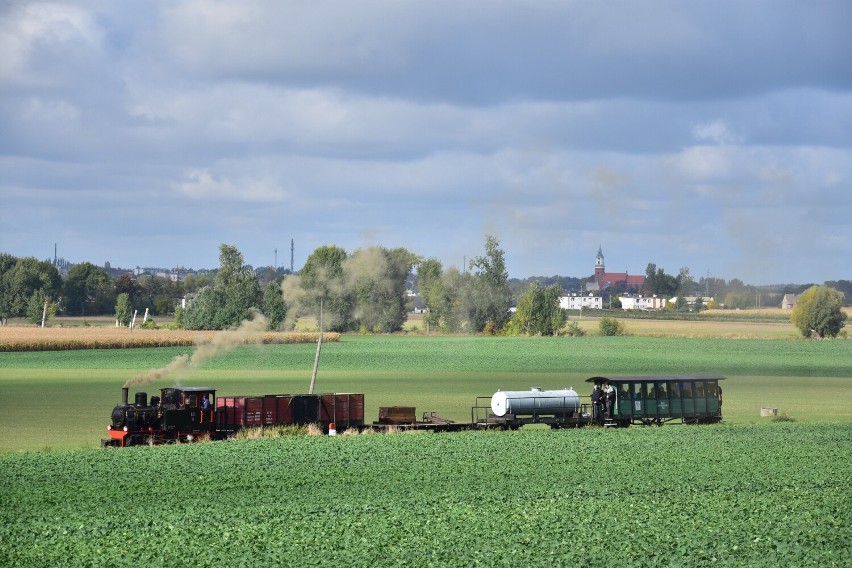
x=713 y=135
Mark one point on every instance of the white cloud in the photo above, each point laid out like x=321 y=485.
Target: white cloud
x=30 y=32
x=201 y=185
x=716 y=132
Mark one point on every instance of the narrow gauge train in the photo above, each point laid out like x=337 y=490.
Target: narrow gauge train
x=185 y=414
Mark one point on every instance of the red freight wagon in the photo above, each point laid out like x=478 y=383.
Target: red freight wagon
x=346 y=410
x=236 y=412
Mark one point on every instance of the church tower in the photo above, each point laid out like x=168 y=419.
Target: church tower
x=599 y=265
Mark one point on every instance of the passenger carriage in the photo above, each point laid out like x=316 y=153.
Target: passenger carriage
x=655 y=400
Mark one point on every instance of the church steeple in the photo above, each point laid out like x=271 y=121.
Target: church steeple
x=600 y=271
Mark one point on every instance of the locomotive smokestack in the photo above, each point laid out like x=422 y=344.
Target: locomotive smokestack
x=124 y=395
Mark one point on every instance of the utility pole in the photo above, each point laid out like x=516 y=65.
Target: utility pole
x=276 y=260
x=292 y=250
x=317 y=356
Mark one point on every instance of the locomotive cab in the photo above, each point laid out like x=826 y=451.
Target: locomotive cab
x=188 y=412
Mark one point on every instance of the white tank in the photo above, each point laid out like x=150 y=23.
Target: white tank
x=535 y=401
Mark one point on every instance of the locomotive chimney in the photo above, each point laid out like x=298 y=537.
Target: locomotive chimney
x=124 y=394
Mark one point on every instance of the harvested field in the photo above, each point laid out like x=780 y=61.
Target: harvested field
x=62 y=338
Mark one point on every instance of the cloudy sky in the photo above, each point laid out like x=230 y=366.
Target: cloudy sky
x=707 y=134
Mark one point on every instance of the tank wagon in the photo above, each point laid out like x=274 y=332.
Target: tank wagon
x=560 y=408
x=187 y=413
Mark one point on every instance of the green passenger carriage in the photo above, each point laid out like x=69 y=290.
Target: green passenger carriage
x=655 y=400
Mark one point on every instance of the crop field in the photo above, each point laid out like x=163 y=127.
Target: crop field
x=750 y=492
x=727 y=495
x=56 y=400
x=30 y=338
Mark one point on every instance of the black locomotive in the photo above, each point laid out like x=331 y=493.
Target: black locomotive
x=188 y=413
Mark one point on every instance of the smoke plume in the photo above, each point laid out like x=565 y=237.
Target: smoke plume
x=220 y=343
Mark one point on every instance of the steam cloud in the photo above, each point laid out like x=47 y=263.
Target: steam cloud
x=205 y=350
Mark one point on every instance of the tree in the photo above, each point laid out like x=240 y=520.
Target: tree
x=125 y=285
x=491 y=295
x=21 y=278
x=200 y=312
x=659 y=283
x=556 y=315
x=40 y=306
x=538 y=311
x=819 y=311
x=123 y=309
x=88 y=290
x=231 y=298
x=237 y=286
x=7 y=262
x=274 y=307
x=685 y=283
x=323 y=282
x=430 y=287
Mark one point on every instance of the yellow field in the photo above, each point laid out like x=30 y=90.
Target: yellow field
x=13 y=338
x=676 y=328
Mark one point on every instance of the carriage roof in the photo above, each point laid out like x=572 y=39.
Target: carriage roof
x=193 y=389
x=654 y=379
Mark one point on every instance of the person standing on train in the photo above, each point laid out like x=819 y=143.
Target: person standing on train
x=597 y=404
x=609 y=400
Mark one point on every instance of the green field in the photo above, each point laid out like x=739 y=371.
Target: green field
x=725 y=495
x=56 y=400
x=750 y=492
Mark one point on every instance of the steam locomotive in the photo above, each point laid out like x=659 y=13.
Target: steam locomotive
x=184 y=414
x=187 y=413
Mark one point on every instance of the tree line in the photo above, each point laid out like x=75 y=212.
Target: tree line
x=363 y=291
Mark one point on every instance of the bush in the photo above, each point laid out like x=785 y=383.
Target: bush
x=611 y=327
x=573 y=329
x=819 y=311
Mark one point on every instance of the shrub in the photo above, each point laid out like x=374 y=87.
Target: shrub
x=573 y=329
x=611 y=327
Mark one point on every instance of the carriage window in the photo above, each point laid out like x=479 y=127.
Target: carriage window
x=661 y=390
x=699 y=390
x=676 y=390
x=687 y=390
x=652 y=390
x=634 y=391
x=712 y=388
x=623 y=392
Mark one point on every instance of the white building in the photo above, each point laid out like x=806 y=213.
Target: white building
x=639 y=302
x=690 y=300
x=579 y=301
